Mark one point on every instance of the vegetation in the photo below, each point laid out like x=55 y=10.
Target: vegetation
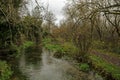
x=18 y=31
x=90 y=26
x=105 y=67
x=84 y=67
x=65 y=49
x=5 y=71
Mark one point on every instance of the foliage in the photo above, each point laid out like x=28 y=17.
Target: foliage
x=116 y=49
x=99 y=63
x=15 y=51
x=18 y=31
x=99 y=45
x=84 y=67
x=69 y=49
x=66 y=49
x=27 y=44
x=13 y=27
x=32 y=28
x=5 y=71
x=47 y=42
x=102 y=45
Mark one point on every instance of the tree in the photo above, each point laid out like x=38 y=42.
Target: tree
x=9 y=18
x=49 y=19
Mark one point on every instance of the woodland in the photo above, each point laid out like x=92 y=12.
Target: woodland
x=89 y=35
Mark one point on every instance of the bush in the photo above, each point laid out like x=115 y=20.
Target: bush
x=46 y=41
x=84 y=67
x=116 y=50
x=16 y=50
x=64 y=49
x=69 y=49
x=5 y=71
x=27 y=44
x=99 y=45
x=57 y=48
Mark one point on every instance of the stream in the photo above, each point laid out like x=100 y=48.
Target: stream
x=43 y=66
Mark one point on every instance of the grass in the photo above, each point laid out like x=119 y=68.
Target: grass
x=70 y=50
x=66 y=48
x=47 y=42
x=107 y=67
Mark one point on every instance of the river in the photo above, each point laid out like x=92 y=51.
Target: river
x=46 y=67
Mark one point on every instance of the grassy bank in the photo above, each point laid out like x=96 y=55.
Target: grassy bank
x=108 y=70
x=64 y=49
x=9 y=61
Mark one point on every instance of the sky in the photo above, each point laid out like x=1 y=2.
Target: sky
x=56 y=6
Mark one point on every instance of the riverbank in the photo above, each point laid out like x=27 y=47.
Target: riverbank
x=106 y=64
x=61 y=69
x=107 y=70
x=9 y=58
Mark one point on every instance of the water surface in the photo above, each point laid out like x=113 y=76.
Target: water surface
x=43 y=66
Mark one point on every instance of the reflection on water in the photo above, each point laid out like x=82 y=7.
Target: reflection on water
x=37 y=66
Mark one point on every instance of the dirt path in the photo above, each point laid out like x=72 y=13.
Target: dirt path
x=108 y=57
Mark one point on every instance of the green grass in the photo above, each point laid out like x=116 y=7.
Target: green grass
x=109 y=68
x=70 y=49
x=66 y=48
x=47 y=42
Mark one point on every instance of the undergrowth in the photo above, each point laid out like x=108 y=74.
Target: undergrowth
x=5 y=71
x=109 y=68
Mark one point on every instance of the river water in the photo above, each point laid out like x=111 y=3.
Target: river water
x=43 y=66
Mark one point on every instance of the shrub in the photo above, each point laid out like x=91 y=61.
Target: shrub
x=5 y=71
x=116 y=50
x=66 y=48
x=16 y=50
x=46 y=41
x=27 y=44
x=84 y=67
x=99 y=45
x=69 y=49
